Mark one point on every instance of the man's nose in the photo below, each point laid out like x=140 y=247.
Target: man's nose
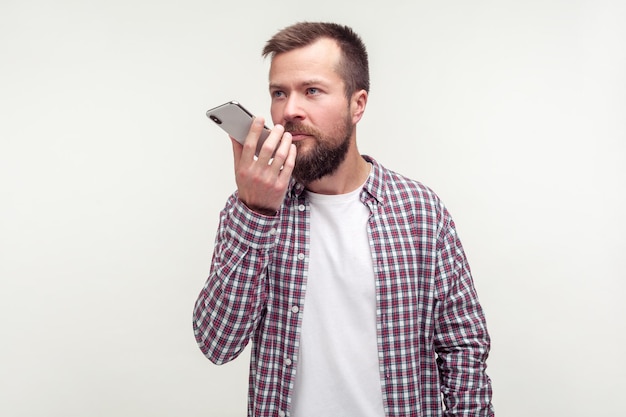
x=293 y=109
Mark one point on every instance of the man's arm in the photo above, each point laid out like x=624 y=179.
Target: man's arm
x=231 y=302
x=461 y=339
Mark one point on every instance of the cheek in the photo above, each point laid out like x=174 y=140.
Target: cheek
x=276 y=114
x=337 y=121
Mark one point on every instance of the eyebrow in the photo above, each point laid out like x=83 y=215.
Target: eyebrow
x=314 y=81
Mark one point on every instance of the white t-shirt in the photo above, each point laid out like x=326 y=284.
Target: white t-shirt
x=337 y=371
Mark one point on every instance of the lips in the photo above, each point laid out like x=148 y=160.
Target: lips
x=299 y=131
x=296 y=136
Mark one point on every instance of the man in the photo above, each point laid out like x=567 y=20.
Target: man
x=349 y=279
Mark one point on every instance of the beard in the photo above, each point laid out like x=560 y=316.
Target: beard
x=326 y=155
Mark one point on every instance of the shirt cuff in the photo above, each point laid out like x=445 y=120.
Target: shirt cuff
x=251 y=228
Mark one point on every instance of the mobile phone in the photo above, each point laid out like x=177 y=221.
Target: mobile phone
x=235 y=120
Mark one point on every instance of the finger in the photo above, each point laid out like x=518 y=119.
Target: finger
x=269 y=147
x=282 y=152
x=252 y=139
x=237 y=151
x=289 y=163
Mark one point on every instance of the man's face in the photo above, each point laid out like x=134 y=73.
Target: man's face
x=308 y=99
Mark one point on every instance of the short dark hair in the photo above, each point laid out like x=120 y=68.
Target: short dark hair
x=354 y=66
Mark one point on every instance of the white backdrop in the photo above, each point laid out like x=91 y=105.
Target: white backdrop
x=112 y=179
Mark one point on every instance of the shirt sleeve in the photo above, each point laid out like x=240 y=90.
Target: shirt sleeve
x=233 y=298
x=461 y=339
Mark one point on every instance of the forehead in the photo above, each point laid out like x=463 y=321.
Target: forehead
x=318 y=60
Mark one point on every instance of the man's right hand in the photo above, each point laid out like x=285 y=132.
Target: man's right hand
x=262 y=181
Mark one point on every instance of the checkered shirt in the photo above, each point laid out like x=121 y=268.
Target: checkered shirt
x=431 y=331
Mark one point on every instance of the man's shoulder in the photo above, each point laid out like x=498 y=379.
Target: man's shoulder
x=398 y=187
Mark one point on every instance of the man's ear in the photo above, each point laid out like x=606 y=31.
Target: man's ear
x=357 y=105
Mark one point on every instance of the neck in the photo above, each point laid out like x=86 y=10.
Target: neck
x=350 y=175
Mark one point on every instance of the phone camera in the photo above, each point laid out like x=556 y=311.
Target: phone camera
x=216 y=119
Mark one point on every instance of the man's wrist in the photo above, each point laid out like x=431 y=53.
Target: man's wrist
x=262 y=210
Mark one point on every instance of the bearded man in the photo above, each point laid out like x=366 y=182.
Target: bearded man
x=348 y=278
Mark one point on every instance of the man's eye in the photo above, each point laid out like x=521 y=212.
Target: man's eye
x=277 y=94
x=312 y=90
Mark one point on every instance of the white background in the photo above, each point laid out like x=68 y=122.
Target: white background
x=112 y=179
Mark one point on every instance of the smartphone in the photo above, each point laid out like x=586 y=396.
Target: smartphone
x=235 y=120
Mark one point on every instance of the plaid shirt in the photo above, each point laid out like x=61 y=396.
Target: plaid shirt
x=432 y=336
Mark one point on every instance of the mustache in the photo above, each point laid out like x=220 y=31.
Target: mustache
x=300 y=128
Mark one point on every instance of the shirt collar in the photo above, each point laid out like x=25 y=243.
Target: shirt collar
x=373 y=189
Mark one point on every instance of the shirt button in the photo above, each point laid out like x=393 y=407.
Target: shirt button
x=272 y=231
x=301 y=207
x=301 y=256
x=295 y=309
x=281 y=413
x=288 y=362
